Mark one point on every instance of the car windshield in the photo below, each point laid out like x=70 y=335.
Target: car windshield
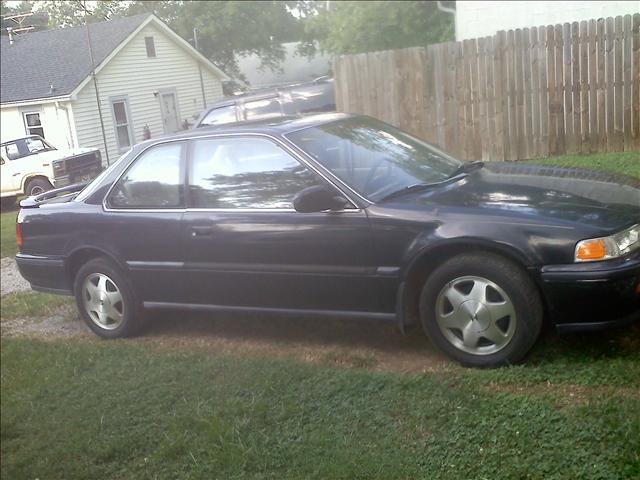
x=23 y=147
x=373 y=158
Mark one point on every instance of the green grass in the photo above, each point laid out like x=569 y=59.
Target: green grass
x=8 y=247
x=33 y=304
x=120 y=410
x=623 y=162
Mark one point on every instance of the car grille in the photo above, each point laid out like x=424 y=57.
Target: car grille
x=82 y=164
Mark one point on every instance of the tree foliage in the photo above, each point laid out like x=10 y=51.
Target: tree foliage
x=366 y=26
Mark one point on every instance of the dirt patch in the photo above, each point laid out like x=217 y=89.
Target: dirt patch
x=51 y=328
x=343 y=343
x=360 y=344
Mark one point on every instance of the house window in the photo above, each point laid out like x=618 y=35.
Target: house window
x=122 y=124
x=151 y=47
x=33 y=124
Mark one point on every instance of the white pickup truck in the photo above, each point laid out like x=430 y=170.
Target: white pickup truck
x=30 y=166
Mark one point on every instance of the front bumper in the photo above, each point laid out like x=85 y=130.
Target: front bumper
x=593 y=296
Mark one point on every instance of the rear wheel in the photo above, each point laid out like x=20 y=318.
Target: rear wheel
x=481 y=309
x=106 y=301
x=36 y=186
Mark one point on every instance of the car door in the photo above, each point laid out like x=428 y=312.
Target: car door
x=142 y=222
x=246 y=246
x=12 y=171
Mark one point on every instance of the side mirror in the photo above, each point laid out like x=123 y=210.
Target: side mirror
x=318 y=199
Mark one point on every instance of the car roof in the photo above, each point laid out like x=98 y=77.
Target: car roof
x=276 y=126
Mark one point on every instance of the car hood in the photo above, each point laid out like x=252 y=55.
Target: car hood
x=60 y=154
x=604 y=201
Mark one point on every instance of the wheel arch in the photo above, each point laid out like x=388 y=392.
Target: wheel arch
x=33 y=176
x=82 y=255
x=429 y=258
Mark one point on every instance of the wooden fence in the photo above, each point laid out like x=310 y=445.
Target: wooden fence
x=519 y=94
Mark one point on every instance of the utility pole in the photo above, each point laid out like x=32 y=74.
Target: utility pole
x=95 y=83
x=195 y=44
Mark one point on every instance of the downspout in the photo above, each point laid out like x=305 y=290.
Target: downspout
x=59 y=106
x=452 y=11
x=95 y=87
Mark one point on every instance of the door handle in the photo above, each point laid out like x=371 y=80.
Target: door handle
x=201 y=231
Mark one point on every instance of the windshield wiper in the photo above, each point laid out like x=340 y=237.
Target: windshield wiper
x=467 y=167
x=411 y=188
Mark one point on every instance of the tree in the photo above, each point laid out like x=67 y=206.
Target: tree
x=228 y=28
x=71 y=13
x=356 y=27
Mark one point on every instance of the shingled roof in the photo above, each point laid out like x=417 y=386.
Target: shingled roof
x=60 y=58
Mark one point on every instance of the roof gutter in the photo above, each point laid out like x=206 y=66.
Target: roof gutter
x=35 y=101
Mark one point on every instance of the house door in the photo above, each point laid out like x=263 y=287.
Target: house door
x=169 y=106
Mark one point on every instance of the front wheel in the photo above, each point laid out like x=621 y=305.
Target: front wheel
x=481 y=309
x=106 y=301
x=37 y=186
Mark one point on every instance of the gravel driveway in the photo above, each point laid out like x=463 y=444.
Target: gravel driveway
x=10 y=278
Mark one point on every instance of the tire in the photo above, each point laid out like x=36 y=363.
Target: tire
x=36 y=186
x=481 y=309
x=109 y=307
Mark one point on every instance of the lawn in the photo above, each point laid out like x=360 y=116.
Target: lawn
x=121 y=410
x=8 y=247
x=625 y=162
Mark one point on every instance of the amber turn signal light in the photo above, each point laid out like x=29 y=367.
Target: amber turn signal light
x=591 y=250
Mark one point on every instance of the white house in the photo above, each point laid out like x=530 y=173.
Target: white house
x=294 y=68
x=484 y=18
x=146 y=76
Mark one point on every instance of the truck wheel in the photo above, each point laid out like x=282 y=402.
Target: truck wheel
x=106 y=301
x=37 y=186
x=481 y=309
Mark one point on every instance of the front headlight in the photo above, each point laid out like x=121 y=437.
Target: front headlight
x=613 y=246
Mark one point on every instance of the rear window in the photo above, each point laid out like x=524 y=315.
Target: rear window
x=154 y=180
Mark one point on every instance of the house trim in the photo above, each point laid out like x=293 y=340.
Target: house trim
x=35 y=101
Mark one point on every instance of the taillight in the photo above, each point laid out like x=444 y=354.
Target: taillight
x=19 y=234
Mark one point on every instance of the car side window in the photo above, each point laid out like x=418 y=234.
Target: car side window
x=218 y=116
x=245 y=173
x=154 y=180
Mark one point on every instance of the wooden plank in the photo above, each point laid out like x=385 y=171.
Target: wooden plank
x=483 y=121
x=417 y=61
x=475 y=98
x=602 y=85
x=441 y=71
x=501 y=103
x=627 y=59
x=450 y=108
x=618 y=117
x=460 y=104
x=521 y=146
x=609 y=50
x=570 y=142
x=543 y=56
x=468 y=104
x=593 y=86
x=535 y=94
x=635 y=101
x=584 y=88
x=575 y=86
x=554 y=103
x=512 y=97
x=526 y=93
x=561 y=139
x=491 y=98
x=429 y=96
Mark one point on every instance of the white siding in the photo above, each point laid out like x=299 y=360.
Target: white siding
x=483 y=18
x=132 y=74
x=56 y=122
